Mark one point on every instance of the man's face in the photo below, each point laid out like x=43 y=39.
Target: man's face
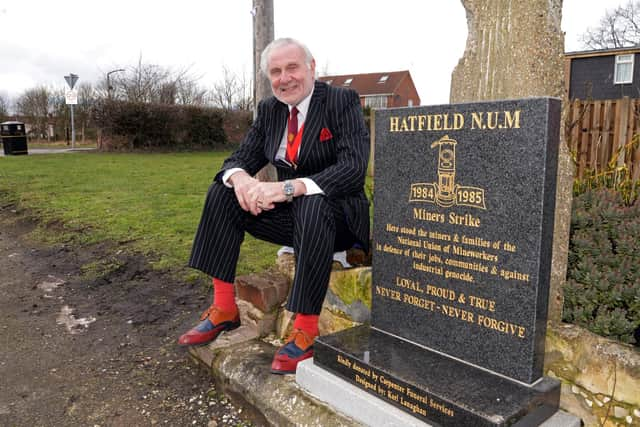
x=291 y=79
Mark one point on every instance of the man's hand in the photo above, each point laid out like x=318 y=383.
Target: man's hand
x=266 y=195
x=255 y=196
x=242 y=183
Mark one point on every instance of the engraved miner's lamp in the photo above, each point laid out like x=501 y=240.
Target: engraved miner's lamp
x=446 y=191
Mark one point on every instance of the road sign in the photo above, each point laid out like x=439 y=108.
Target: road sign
x=71 y=79
x=71 y=96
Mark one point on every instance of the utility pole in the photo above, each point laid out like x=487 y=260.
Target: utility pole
x=262 y=35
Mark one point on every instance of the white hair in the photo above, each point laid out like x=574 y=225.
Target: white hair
x=264 y=57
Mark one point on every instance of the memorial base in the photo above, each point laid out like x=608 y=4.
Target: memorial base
x=432 y=387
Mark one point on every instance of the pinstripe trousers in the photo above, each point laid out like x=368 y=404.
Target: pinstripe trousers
x=313 y=225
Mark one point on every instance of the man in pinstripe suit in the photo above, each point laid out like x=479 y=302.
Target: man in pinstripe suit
x=316 y=137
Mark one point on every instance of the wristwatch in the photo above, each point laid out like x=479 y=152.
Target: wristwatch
x=288 y=190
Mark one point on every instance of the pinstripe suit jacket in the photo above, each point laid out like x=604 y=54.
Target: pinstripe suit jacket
x=338 y=165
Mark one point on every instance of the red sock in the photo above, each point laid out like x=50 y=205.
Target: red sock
x=224 y=295
x=308 y=323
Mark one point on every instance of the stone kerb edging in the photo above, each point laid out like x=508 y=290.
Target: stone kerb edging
x=599 y=375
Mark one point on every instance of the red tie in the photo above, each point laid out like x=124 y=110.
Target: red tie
x=293 y=143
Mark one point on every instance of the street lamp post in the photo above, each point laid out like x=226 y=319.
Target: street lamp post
x=109 y=83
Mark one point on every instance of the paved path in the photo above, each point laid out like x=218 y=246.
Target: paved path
x=53 y=150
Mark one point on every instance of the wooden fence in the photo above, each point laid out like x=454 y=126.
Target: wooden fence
x=604 y=135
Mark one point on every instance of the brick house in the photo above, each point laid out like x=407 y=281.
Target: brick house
x=379 y=90
x=603 y=74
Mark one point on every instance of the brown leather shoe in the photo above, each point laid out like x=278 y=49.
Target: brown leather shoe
x=299 y=347
x=213 y=322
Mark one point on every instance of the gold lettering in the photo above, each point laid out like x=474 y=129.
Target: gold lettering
x=390 y=384
x=501 y=326
x=421 y=121
x=419 y=302
x=512 y=121
x=492 y=119
x=447 y=124
x=393 y=124
x=403 y=126
x=414 y=285
x=441 y=407
x=389 y=293
x=412 y=120
x=458 y=313
x=476 y=120
x=437 y=125
x=482 y=303
x=344 y=361
x=424 y=215
x=444 y=293
x=467 y=220
x=458 y=121
x=514 y=275
x=364 y=383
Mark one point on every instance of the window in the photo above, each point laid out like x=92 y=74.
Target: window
x=347 y=82
x=410 y=103
x=376 y=101
x=383 y=79
x=623 y=72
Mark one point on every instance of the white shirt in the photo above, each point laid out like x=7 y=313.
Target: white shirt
x=303 y=109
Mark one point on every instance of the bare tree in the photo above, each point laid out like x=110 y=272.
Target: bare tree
x=59 y=114
x=155 y=84
x=190 y=93
x=244 y=99
x=87 y=97
x=4 y=107
x=232 y=92
x=34 y=105
x=619 y=27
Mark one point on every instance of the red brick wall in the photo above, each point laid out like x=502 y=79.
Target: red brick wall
x=405 y=91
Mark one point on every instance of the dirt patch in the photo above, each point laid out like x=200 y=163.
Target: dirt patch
x=88 y=337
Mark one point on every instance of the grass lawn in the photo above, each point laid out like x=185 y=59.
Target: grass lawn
x=148 y=202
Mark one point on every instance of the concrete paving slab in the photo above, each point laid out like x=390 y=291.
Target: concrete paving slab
x=371 y=411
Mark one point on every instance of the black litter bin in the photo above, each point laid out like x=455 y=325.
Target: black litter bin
x=13 y=137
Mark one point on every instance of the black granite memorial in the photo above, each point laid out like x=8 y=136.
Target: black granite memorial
x=463 y=228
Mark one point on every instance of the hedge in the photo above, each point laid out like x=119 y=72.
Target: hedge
x=137 y=126
x=602 y=292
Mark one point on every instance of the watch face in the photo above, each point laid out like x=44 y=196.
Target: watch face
x=288 y=189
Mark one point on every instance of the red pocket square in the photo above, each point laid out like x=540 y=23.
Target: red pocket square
x=325 y=135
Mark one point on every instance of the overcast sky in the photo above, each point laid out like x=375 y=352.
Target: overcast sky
x=42 y=41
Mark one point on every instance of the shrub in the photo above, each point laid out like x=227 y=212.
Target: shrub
x=602 y=292
x=136 y=125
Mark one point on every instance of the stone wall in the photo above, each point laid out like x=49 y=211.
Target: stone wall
x=600 y=377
